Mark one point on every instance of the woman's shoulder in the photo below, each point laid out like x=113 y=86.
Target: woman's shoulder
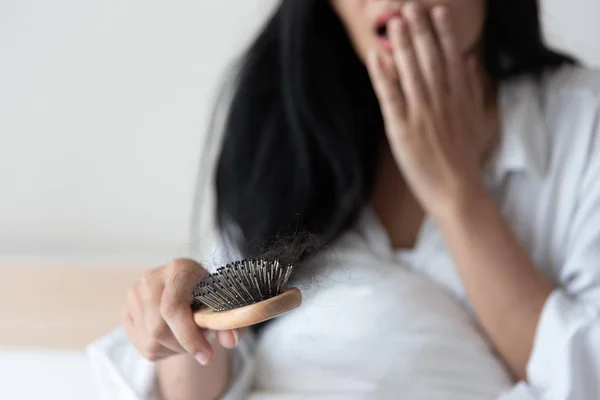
x=570 y=108
x=559 y=113
x=570 y=103
x=560 y=95
x=574 y=81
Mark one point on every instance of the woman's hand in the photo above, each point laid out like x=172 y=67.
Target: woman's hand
x=434 y=113
x=158 y=315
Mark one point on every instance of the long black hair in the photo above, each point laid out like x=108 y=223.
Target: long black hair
x=303 y=130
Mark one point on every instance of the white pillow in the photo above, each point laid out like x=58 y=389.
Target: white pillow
x=372 y=328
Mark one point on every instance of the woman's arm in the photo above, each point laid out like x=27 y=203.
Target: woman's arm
x=181 y=377
x=158 y=320
x=550 y=336
x=436 y=123
x=505 y=288
x=119 y=371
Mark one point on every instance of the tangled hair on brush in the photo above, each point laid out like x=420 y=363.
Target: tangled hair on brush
x=303 y=128
x=293 y=249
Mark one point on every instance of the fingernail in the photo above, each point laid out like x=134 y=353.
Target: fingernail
x=202 y=358
x=236 y=337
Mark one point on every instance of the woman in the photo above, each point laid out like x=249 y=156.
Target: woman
x=451 y=163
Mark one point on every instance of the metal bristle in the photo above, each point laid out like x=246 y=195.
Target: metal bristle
x=242 y=283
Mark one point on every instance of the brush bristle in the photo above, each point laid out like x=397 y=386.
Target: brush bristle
x=242 y=283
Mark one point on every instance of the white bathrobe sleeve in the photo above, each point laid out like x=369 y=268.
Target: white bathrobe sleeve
x=565 y=360
x=120 y=373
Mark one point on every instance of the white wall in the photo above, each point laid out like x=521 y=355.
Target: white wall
x=103 y=105
x=574 y=25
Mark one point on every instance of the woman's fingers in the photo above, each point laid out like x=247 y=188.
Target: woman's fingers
x=427 y=50
x=134 y=318
x=150 y=290
x=411 y=79
x=230 y=338
x=158 y=314
x=453 y=58
x=475 y=82
x=175 y=308
x=387 y=89
x=147 y=346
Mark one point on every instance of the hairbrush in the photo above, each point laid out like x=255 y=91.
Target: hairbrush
x=244 y=293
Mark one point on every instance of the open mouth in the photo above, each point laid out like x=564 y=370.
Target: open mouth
x=381 y=31
x=381 y=27
x=382 y=37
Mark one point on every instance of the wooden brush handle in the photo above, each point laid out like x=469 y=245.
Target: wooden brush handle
x=248 y=315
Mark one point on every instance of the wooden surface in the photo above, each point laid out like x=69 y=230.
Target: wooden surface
x=60 y=307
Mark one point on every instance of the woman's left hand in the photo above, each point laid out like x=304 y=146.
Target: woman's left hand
x=434 y=113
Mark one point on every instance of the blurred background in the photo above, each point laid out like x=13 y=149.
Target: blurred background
x=104 y=110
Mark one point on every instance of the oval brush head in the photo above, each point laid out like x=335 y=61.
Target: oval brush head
x=244 y=293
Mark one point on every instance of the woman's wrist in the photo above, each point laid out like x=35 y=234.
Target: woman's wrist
x=467 y=201
x=181 y=377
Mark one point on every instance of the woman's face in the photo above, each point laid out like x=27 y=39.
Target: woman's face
x=363 y=20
